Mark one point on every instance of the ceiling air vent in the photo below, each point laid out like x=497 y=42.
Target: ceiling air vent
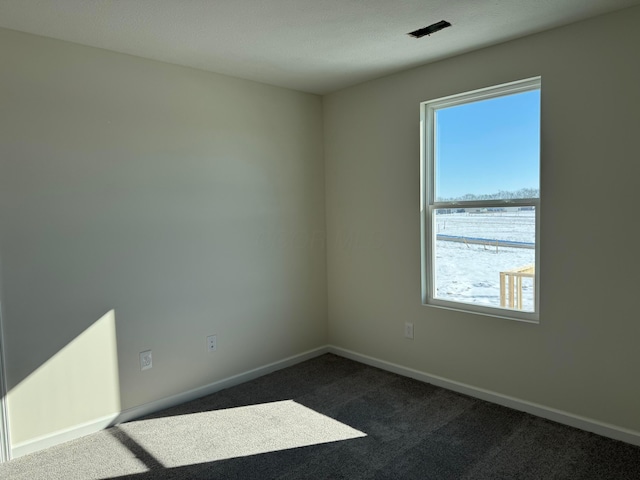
x=430 y=29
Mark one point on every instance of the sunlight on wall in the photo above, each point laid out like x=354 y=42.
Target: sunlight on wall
x=234 y=432
x=78 y=384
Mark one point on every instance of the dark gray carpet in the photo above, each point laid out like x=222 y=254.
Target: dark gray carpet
x=335 y=419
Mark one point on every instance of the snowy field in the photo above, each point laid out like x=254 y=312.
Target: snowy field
x=470 y=273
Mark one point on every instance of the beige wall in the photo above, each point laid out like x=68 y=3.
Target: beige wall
x=146 y=206
x=583 y=356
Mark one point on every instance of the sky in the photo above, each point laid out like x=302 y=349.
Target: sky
x=488 y=146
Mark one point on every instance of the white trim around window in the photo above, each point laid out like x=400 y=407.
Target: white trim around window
x=430 y=204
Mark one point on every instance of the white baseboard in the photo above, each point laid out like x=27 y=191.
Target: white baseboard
x=158 y=405
x=566 y=418
x=61 y=436
x=96 y=425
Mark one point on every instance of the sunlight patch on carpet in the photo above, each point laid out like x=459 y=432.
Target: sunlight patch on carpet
x=235 y=432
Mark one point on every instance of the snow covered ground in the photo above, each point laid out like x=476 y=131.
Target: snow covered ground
x=470 y=273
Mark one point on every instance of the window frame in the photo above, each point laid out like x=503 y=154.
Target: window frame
x=428 y=205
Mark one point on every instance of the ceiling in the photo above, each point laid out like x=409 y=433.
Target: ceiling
x=316 y=46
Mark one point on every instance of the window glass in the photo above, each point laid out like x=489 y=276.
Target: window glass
x=486 y=256
x=489 y=148
x=481 y=201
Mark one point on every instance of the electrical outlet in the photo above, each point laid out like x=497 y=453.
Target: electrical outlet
x=212 y=343
x=408 y=330
x=145 y=360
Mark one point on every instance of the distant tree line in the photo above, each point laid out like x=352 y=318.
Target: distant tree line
x=501 y=195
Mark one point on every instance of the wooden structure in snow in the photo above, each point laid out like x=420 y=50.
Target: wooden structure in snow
x=511 y=286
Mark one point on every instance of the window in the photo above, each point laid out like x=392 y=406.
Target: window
x=480 y=201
